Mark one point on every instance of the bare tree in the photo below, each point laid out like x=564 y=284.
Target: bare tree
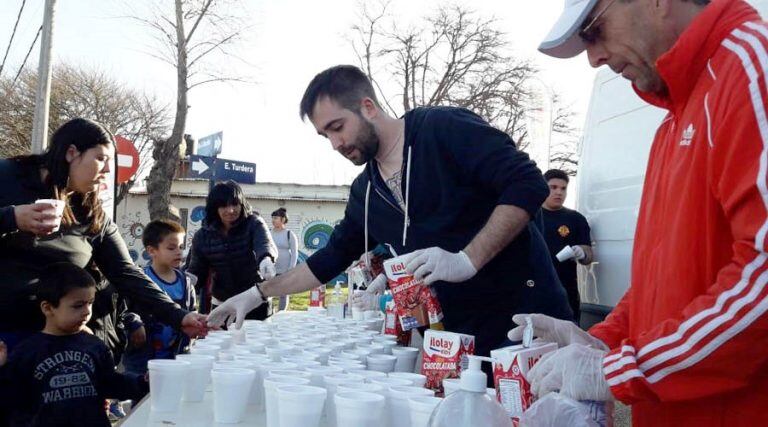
x=453 y=57
x=190 y=38
x=82 y=92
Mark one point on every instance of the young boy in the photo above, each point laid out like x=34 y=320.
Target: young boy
x=147 y=338
x=62 y=375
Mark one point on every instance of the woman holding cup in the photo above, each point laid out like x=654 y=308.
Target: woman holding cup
x=50 y=211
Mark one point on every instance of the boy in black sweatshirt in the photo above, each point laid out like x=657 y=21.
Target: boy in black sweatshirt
x=62 y=375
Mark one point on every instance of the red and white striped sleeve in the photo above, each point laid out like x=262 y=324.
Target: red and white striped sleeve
x=717 y=344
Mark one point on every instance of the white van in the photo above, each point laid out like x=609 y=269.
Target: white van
x=614 y=151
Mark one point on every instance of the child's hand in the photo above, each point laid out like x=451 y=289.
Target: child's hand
x=139 y=337
x=3 y=353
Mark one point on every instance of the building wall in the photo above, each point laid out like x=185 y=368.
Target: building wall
x=313 y=211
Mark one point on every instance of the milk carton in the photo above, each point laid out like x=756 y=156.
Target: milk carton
x=510 y=367
x=392 y=325
x=415 y=304
x=317 y=297
x=444 y=356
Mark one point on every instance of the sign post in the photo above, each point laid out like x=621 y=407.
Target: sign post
x=213 y=169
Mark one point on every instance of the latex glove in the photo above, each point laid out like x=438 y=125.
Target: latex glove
x=550 y=329
x=435 y=264
x=235 y=308
x=267 y=268
x=576 y=371
x=378 y=284
x=578 y=253
x=194 y=325
x=364 y=300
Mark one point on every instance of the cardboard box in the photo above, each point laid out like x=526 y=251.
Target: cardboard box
x=416 y=304
x=444 y=356
x=510 y=367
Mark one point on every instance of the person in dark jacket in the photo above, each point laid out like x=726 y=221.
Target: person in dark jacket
x=234 y=246
x=440 y=179
x=71 y=170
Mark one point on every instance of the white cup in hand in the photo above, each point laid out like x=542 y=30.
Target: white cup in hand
x=565 y=254
x=56 y=208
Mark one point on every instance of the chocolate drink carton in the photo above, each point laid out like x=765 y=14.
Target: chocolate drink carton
x=415 y=304
x=444 y=356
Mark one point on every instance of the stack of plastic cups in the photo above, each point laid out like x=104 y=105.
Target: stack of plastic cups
x=356 y=409
x=198 y=377
x=231 y=389
x=300 y=405
x=271 y=398
x=406 y=358
x=368 y=375
x=381 y=362
x=397 y=401
x=421 y=409
x=331 y=383
x=167 y=380
x=262 y=372
x=417 y=380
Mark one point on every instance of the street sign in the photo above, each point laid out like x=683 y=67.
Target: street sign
x=210 y=145
x=242 y=172
x=201 y=167
x=127 y=159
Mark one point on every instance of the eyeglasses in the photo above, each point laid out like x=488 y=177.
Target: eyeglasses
x=591 y=32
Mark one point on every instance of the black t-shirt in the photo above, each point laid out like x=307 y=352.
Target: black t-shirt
x=565 y=227
x=63 y=381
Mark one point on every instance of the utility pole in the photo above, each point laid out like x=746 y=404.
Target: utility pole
x=42 y=100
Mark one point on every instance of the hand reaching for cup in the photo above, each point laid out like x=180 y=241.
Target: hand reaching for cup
x=38 y=218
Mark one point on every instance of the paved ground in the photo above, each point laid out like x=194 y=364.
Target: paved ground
x=622 y=416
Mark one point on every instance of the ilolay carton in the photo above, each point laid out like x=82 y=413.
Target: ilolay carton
x=392 y=325
x=444 y=356
x=416 y=304
x=510 y=367
x=317 y=297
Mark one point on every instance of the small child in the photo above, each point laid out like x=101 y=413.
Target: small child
x=62 y=375
x=147 y=338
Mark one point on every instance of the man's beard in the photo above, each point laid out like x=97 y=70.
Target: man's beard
x=367 y=143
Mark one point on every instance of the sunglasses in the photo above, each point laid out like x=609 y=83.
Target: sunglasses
x=590 y=33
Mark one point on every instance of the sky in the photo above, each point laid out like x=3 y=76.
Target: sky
x=287 y=43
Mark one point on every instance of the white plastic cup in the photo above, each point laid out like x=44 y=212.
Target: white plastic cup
x=320 y=354
x=231 y=353
x=225 y=364
x=331 y=383
x=368 y=375
x=421 y=409
x=417 y=380
x=210 y=350
x=351 y=354
x=300 y=405
x=301 y=361
x=199 y=375
x=450 y=385
x=167 y=380
x=397 y=399
x=381 y=362
x=271 y=398
x=565 y=254
x=318 y=372
x=55 y=207
x=356 y=409
x=361 y=387
x=406 y=358
x=390 y=382
x=231 y=389
x=289 y=373
x=276 y=352
x=388 y=345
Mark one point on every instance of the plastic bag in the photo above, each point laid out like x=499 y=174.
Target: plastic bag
x=556 y=410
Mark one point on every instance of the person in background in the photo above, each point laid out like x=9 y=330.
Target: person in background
x=287 y=248
x=686 y=344
x=62 y=375
x=565 y=227
x=148 y=338
x=71 y=170
x=234 y=246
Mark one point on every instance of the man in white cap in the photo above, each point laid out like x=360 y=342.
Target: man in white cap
x=687 y=343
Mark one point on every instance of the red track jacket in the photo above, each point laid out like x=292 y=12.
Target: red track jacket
x=689 y=339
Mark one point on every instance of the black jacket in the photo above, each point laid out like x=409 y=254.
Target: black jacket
x=233 y=259
x=461 y=169
x=22 y=257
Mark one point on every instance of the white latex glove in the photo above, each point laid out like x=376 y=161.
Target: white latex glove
x=267 y=268
x=435 y=264
x=550 y=329
x=378 y=284
x=578 y=253
x=235 y=308
x=576 y=371
x=364 y=300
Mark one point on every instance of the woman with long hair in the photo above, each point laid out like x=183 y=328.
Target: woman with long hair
x=233 y=248
x=71 y=171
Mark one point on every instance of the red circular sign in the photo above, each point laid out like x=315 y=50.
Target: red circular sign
x=127 y=159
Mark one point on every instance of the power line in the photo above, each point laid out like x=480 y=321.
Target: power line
x=13 y=34
x=24 y=63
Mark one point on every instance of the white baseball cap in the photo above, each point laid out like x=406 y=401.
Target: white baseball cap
x=563 y=40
